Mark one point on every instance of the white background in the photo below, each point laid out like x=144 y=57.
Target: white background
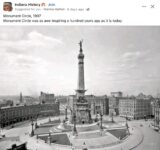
x=130 y=12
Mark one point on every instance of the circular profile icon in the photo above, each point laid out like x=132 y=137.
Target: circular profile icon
x=7 y=6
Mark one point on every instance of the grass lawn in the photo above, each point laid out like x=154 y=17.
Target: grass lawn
x=119 y=133
x=57 y=139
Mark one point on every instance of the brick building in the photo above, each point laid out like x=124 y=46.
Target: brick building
x=5 y=103
x=135 y=108
x=98 y=104
x=47 y=98
x=13 y=114
x=114 y=102
x=157 y=114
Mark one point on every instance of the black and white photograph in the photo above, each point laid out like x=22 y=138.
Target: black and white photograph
x=79 y=87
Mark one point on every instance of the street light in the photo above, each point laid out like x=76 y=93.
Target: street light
x=74 y=127
x=0 y=128
x=49 y=137
x=36 y=125
x=127 y=124
x=154 y=114
x=72 y=146
x=126 y=118
x=112 y=116
x=101 y=115
x=32 y=124
x=66 y=118
x=159 y=118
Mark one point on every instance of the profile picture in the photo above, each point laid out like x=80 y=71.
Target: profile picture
x=7 y=6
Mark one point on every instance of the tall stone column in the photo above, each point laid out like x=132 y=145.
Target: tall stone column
x=82 y=107
x=81 y=83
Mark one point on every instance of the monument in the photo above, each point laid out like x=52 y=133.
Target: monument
x=81 y=131
x=82 y=108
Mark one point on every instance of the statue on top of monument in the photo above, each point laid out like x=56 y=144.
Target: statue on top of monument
x=80 y=44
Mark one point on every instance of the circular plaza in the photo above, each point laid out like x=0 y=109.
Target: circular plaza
x=89 y=136
x=56 y=134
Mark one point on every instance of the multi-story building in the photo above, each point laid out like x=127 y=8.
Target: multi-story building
x=47 y=98
x=114 y=105
x=28 y=100
x=157 y=114
x=5 y=103
x=114 y=102
x=117 y=94
x=153 y=105
x=98 y=104
x=134 y=108
x=13 y=114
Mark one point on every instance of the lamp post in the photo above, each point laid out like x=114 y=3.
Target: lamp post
x=36 y=125
x=159 y=117
x=32 y=124
x=126 y=118
x=0 y=128
x=74 y=121
x=72 y=146
x=101 y=115
x=49 y=137
x=154 y=114
x=66 y=118
x=112 y=116
x=127 y=124
x=49 y=120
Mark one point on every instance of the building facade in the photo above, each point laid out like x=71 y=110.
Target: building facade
x=5 y=103
x=114 y=105
x=47 y=98
x=114 y=102
x=10 y=115
x=97 y=104
x=135 y=108
x=117 y=94
x=28 y=100
x=157 y=114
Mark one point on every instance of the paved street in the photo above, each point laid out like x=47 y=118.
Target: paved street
x=151 y=139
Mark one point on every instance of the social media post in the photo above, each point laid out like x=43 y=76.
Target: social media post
x=79 y=74
x=80 y=13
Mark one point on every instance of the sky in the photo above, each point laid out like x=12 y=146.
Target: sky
x=44 y=58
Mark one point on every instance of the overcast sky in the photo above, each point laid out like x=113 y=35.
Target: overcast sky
x=34 y=59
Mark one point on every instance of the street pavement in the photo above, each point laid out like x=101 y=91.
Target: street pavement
x=150 y=141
